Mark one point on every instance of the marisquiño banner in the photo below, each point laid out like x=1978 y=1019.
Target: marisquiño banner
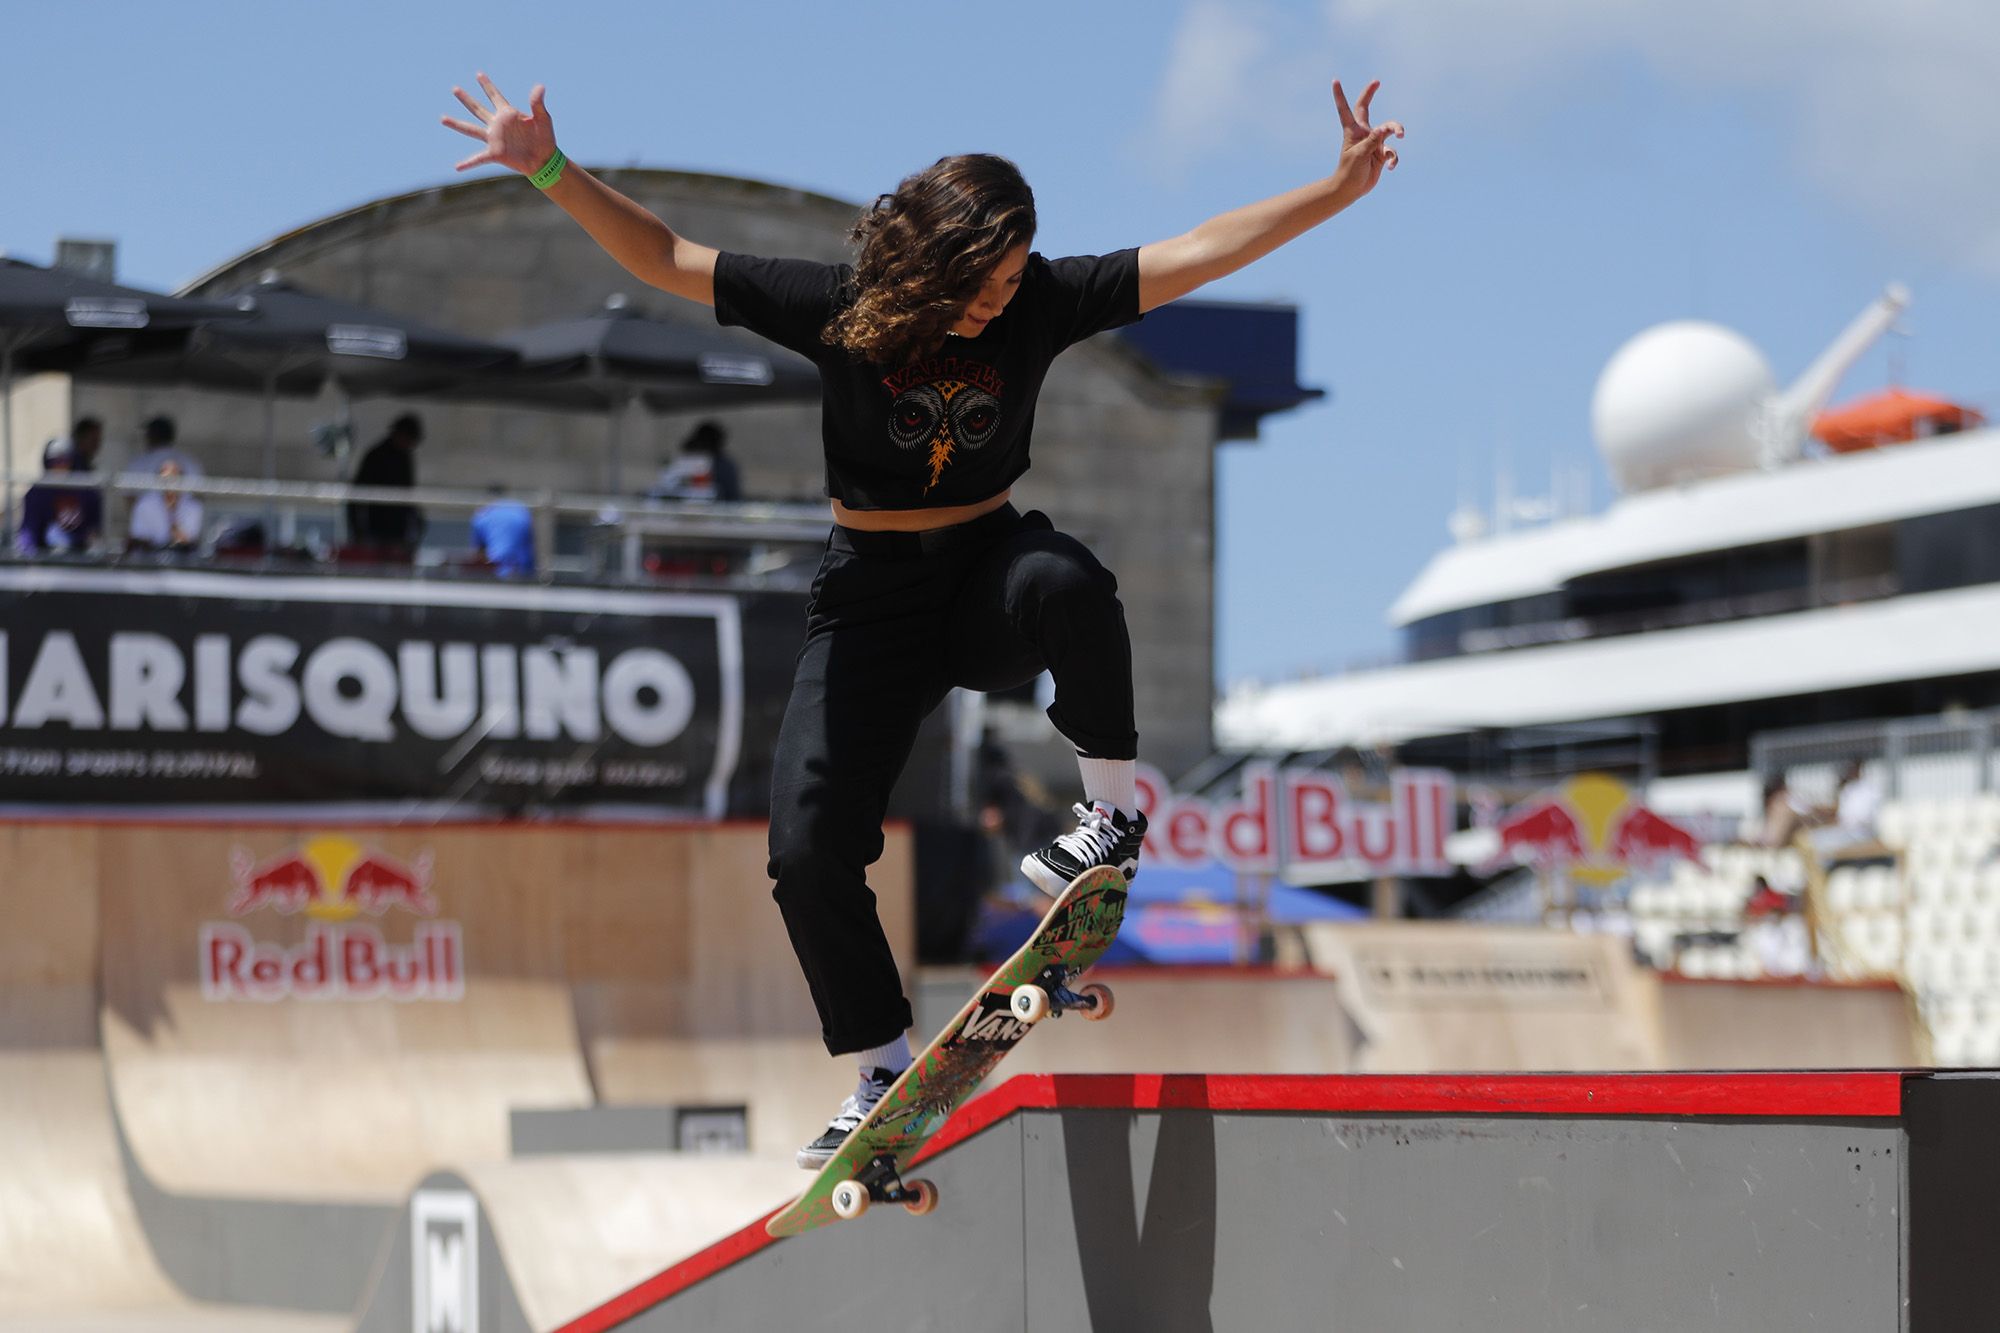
x=156 y=688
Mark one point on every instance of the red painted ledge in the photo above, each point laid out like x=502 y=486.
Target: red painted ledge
x=1800 y=1095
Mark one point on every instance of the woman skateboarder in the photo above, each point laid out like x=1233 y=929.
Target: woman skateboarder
x=931 y=347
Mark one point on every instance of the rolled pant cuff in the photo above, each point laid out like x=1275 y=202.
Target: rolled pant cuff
x=1098 y=745
x=843 y=1044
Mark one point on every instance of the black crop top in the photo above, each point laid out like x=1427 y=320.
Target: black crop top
x=949 y=429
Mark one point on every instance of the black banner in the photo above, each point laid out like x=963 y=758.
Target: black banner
x=170 y=688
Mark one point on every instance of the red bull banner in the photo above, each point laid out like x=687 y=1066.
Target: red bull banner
x=372 y=697
x=1594 y=829
x=1303 y=824
x=344 y=890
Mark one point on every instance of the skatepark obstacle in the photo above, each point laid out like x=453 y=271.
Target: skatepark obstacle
x=1580 y=1202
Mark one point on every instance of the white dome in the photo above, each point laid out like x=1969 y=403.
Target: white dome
x=1680 y=401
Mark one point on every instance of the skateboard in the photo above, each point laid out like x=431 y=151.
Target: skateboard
x=1032 y=985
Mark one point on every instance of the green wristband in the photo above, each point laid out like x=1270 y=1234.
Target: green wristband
x=551 y=171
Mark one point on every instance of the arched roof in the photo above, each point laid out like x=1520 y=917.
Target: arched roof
x=437 y=203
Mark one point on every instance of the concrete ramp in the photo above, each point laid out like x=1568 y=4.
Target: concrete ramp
x=1507 y=1202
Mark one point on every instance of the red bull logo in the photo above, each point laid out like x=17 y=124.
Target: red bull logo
x=332 y=881
x=1593 y=829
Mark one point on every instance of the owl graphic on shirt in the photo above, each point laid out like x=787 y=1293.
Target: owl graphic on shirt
x=942 y=406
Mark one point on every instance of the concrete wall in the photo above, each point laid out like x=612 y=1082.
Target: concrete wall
x=1122 y=458
x=1188 y=1220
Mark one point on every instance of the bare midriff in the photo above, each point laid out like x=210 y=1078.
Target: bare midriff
x=915 y=520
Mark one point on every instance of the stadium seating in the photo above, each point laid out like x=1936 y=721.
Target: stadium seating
x=1927 y=918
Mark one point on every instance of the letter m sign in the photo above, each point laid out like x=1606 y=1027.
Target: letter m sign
x=444 y=1261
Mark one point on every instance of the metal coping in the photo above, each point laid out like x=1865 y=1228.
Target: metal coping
x=1781 y=1096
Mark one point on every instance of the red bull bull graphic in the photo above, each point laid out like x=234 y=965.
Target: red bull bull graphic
x=1594 y=830
x=333 y=881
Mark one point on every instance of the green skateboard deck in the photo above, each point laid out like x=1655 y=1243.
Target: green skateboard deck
x=1075 y=934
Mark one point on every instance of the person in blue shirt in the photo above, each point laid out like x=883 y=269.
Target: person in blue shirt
x=505 y=531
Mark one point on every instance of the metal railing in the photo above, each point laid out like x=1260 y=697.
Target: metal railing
x=610 y=535
x=1924 y=757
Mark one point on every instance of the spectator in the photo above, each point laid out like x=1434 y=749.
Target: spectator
x=56 y=517
x=1858 y=802
x=392 y=462
x=159 y=435
x=1775 y=932
x=505 y=532
x=1856 y=806
x=85 y=439
x=167 y=520
x=704 y=471
x=1783 y=819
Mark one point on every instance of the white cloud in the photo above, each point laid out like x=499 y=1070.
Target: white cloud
x=1235 y=71
x=1889 y=106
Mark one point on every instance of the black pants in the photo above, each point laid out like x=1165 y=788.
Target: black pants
x=897 y=619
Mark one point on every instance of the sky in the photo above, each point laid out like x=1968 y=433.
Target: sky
x=1575 y=171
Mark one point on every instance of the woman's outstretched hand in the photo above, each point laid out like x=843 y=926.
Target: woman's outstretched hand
x=519 y=140
x=1364 y=152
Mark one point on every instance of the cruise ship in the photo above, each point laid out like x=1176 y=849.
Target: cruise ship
x=1769 y=563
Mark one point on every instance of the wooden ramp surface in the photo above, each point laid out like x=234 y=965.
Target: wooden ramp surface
x=333 y=1102
x=69 y=1235
x=575 y=1231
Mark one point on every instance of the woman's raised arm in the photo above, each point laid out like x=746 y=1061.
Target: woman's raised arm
x=1171 y=269
x=525 y=141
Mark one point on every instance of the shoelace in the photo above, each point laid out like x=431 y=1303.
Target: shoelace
x=1094 y=837
x=855 y=1110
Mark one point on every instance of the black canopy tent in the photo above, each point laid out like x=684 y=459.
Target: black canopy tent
x=619 y=356
x=50 y=318
x=293 y=342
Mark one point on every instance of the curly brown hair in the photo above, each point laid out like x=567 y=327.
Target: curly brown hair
x=925 y=250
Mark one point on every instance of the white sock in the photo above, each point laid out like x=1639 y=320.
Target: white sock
x=893 y=1056
x=1112 y=782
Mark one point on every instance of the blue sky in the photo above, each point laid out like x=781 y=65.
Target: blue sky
x=1576 y=170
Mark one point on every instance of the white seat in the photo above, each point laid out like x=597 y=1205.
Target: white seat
x=1788 y=871
x=1875 y=889
x=1983 y=1046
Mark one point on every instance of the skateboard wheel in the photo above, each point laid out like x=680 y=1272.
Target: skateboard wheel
x=927 y=1197
x=1100 y=993
x=850 y=1199
x=1031 y=1003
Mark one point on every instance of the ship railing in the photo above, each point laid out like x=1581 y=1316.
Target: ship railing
x=1714 y=611
x=1924 y=758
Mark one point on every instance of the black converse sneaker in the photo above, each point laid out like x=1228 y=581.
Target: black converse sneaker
x=1103 y=837
x=874 y=1083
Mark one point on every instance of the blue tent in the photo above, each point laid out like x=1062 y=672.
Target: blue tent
x=1174 y=917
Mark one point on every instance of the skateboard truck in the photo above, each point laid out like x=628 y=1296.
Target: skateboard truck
x=1049 y=996
x=881 y=1182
